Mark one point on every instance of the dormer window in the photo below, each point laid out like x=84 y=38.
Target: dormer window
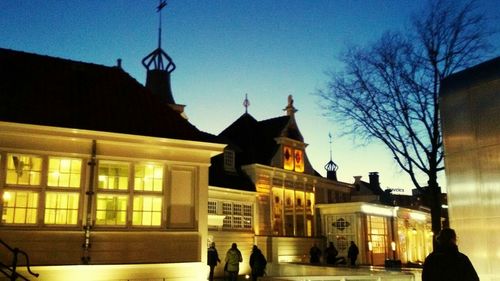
x=293 y=159
x=229 y=160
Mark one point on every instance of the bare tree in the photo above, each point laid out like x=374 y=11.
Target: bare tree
x=389 y=89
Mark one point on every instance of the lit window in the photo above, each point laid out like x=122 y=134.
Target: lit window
x=287 y=158
x=237 y=215
x=147 y=211
x=299 y=161
x=111 y=210
x=61 y=208
x=113 y=175
x=64 y=172
x=212 y=207
x=377 y=233
x=23 y=169
x=237 y=209
x=247 y=216
x=148 y=177
x=19 y=207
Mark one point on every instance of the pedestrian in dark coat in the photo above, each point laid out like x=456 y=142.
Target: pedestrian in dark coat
x=257 y=263
x=331 y=255
x=446 y=262
x=315 y=254
x=212 y=260
x=352 y=253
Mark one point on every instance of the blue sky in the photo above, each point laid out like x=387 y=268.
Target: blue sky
x=225 y=49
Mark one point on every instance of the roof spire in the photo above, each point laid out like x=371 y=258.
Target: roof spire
x=155 y=59
x=330 y=167
x=159 y=65
x=246 y=103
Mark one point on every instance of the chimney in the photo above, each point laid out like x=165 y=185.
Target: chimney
x=374 y=181
x=119 y=63
x=357 y=179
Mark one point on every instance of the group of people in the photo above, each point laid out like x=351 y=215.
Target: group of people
x=232 y=262
x=331 y=254
x=444 y=263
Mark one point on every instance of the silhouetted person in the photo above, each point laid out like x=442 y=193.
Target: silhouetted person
x=446 y=262
x=331 y=255
x=212 y=260
x=352 y=253
x=257 y=263
x=233 y=259
x=314 y=254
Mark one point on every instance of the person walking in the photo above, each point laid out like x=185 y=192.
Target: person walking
x=257 y=263
x=446 y=262
x=315 y=254
x=352 y=253
x=233 y=259
x=212 y=260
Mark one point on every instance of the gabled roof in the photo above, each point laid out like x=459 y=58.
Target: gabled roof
x=43 y=90
x=257 y=138
x=253 y=143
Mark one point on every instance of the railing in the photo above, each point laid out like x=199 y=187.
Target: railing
x=10 y=271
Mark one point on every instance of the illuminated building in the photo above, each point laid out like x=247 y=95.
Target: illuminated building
x=95 y=170
x=380 y=232
x=103 y=176
x=470 y=110
x=263 y=190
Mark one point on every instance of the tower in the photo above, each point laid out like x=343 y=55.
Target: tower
x=159 y=66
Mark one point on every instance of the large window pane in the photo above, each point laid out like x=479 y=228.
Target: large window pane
x=111 y=210
x=147 y=211
x=23 y=169
x=64 y=172
x=113 y=175
x=148 y=177
x=19 y=207
x=61 y=208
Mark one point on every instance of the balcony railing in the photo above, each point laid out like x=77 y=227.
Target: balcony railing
x=10 y=270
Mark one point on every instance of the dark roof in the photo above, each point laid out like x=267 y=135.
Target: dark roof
x=481 y=73
x=257 y=138
x=43 y=90
x=253 y=143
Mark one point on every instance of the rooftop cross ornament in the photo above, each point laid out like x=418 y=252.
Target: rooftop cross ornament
x=246 y=103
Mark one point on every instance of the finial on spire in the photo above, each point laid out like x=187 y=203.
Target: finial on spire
x=330 y=141
x=330 y=167
x=290 y=110
x=246 y=103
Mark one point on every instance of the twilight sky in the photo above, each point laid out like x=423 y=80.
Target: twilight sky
x=225 y=49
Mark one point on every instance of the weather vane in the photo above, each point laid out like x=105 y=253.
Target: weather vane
x=162 y=4
x=155 y=60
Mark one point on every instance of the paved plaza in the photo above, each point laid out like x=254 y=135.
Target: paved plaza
x=306 y=272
